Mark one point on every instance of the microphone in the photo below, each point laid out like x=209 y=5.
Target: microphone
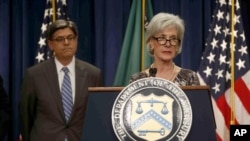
x=152 y=72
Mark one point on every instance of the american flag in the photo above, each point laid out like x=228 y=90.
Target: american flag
x=215 y=69
x=44 y=52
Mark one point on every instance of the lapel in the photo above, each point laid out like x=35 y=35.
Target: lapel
x=80 y=84
x=52 y=80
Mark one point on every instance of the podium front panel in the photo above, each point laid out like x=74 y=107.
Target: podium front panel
x=98 y=123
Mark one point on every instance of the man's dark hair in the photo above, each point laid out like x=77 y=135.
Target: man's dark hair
x=60 y=24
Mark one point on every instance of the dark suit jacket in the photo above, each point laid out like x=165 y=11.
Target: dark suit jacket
x=41 y=110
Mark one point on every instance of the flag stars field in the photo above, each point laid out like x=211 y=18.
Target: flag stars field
x=220 y=15
x=208 y=71
x=40 y=57
x=44 y=27
x=44 y=52
x=211 y=57
x=240 y=64
x=217 y=29
x=214 y=43
x=223 y=45
x=42 y=42
x=222 y=59
x=226 y=31
x=216 y=88
x=243 y=50
x=219 y=74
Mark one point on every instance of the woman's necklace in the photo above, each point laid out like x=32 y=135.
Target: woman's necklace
x=170 y=76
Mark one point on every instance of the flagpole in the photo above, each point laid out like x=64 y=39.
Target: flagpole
x=232 y=96
x=53 y=15
x=142 y=34
x=53 y=10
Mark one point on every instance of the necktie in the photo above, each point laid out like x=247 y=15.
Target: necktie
x=66 y=93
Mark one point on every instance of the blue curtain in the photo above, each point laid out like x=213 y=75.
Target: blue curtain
x=4 y=40
x=102 y=25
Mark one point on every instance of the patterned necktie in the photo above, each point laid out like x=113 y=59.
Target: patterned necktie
x=66 y=93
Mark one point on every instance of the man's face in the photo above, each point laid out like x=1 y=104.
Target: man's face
x=64 y=44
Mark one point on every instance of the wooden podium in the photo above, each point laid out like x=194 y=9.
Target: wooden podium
x=98 y=125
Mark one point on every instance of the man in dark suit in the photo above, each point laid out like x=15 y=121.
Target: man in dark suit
x=4 y=111
x=42 y=102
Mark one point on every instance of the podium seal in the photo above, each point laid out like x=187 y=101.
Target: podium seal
x=151 y=109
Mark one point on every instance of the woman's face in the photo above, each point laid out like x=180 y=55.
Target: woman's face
x=165 y=44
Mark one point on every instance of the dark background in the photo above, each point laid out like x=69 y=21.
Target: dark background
x=102 y=25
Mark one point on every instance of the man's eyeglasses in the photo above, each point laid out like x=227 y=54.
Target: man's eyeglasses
x=163 y=41
x=63 y=39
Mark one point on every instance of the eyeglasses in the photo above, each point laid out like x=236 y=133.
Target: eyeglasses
x=163 y=41
x=62 y=39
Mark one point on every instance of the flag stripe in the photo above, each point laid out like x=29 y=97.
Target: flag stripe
x=241 y=89
x=224 y=108
x=221 y=129
x=229 y=104
x=242 y=115
x=246 y=79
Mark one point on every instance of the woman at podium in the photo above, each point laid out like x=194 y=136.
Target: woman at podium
x=164 y=39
